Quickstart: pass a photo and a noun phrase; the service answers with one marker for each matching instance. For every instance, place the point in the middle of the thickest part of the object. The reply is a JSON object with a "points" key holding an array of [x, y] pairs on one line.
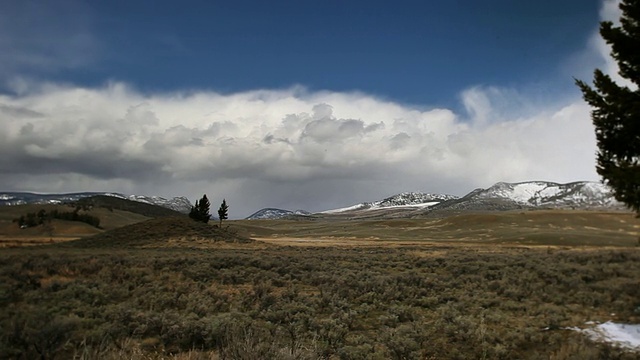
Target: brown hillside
{"points": [[136, 207], [58, 230], [162, 232]]}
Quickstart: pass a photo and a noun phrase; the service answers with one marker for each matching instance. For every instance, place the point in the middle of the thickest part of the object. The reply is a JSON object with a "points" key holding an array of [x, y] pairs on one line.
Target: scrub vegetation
{"points": [[212, 294]]}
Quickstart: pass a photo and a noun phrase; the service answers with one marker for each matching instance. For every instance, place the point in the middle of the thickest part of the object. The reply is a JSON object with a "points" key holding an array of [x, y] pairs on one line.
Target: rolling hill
{"points": [[113, 213], [162, 232]]}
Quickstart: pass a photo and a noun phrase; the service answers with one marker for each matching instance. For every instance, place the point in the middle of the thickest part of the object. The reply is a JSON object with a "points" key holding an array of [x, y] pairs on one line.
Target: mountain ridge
{"points": [[274, 213], [551, 194], [404, 199], [501, 196], [179, 203]]}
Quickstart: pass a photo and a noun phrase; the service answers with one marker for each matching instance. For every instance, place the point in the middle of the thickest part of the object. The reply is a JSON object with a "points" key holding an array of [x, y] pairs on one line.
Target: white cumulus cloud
{"points": [[291, 148]]}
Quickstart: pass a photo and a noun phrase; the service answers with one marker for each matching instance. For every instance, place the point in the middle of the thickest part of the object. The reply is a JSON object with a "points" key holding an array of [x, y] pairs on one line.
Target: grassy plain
{"points": [[475, 286], [536, 228]]}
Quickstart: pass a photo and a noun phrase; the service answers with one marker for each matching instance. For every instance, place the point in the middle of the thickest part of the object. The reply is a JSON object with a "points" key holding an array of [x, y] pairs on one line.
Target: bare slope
{"points": [[57, 230], [161, 232], [113, 213], [137, 207]]}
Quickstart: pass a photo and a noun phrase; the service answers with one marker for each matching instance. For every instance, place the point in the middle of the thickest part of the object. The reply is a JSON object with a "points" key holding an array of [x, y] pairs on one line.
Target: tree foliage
{"points": [[42, 217], [223, 211], [616, 108], [200, 212]]}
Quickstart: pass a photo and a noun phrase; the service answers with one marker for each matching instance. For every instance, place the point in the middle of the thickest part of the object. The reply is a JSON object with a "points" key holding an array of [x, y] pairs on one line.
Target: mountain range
{"points": [[180, 203], [499, 197], [581, 194], [402, 200], [273, 213]]}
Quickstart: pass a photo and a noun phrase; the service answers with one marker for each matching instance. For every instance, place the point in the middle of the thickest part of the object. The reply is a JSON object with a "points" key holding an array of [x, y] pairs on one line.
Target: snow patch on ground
{"points": [[623, 335]]}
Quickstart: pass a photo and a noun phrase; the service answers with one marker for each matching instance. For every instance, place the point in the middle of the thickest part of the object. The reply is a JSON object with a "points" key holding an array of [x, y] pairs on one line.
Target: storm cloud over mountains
{"points": [[291, 147], [279, 147]]}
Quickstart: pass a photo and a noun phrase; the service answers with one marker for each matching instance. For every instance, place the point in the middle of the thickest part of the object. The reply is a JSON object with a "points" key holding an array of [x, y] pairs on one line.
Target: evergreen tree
{"points": [[204, 209], [200, 212], [223, 211], [616, 109], [194, 211]]}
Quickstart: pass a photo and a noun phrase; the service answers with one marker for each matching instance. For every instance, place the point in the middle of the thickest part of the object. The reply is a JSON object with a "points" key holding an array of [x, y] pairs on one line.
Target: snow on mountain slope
{"points": [[581, 194], [501, 196], [180, 203], [402, 200], [273, 213], [22, 198], [413, 198], [362, 206]]}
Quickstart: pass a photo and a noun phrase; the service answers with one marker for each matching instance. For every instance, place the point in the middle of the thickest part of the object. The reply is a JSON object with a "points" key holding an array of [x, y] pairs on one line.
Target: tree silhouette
{"points": [[616, 109], [200, 212], [223, 211]]}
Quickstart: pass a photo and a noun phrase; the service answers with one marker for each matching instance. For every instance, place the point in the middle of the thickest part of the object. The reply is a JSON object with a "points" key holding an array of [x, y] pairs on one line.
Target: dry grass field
{"points": [[59, 230], [543, 228], [477, 286]]}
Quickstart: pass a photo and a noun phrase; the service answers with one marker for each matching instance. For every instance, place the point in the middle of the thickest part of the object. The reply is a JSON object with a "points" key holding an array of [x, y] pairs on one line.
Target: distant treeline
{"points": [[39, 218]]}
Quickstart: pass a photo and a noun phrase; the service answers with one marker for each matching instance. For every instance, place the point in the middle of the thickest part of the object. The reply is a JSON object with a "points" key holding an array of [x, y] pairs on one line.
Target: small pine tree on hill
{"points": [[223, 211], [200, 212]]}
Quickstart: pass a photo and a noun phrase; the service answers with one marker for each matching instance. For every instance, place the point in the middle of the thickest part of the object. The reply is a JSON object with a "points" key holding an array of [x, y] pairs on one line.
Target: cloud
{"points": [[291, 148], [610, 11], [597, 53]]}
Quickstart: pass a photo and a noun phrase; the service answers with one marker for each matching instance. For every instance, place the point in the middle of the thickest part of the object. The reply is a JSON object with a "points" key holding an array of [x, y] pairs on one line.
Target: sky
{"points": [[306, 104]]}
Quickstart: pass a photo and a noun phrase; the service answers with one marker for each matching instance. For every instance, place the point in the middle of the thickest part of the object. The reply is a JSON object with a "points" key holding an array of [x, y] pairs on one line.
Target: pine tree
{"points": [[200, 212], [616, 109], [203, 211], [223, 211], [194, 211]]}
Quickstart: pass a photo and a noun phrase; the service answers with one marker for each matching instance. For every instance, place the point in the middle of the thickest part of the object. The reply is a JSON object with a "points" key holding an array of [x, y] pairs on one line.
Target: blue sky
{"points": [[295, 104], [420, 52]]}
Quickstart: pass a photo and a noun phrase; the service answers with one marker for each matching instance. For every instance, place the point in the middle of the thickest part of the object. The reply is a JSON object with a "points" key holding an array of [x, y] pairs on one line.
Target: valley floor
{"points": [[530, 228], [329, 289]]}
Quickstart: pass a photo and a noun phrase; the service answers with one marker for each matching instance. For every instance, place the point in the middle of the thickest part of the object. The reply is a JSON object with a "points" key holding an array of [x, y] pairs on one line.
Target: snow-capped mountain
{"points": [[179, 203], [582, 194], [402, 200], [499, 197], [272, 213]]}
